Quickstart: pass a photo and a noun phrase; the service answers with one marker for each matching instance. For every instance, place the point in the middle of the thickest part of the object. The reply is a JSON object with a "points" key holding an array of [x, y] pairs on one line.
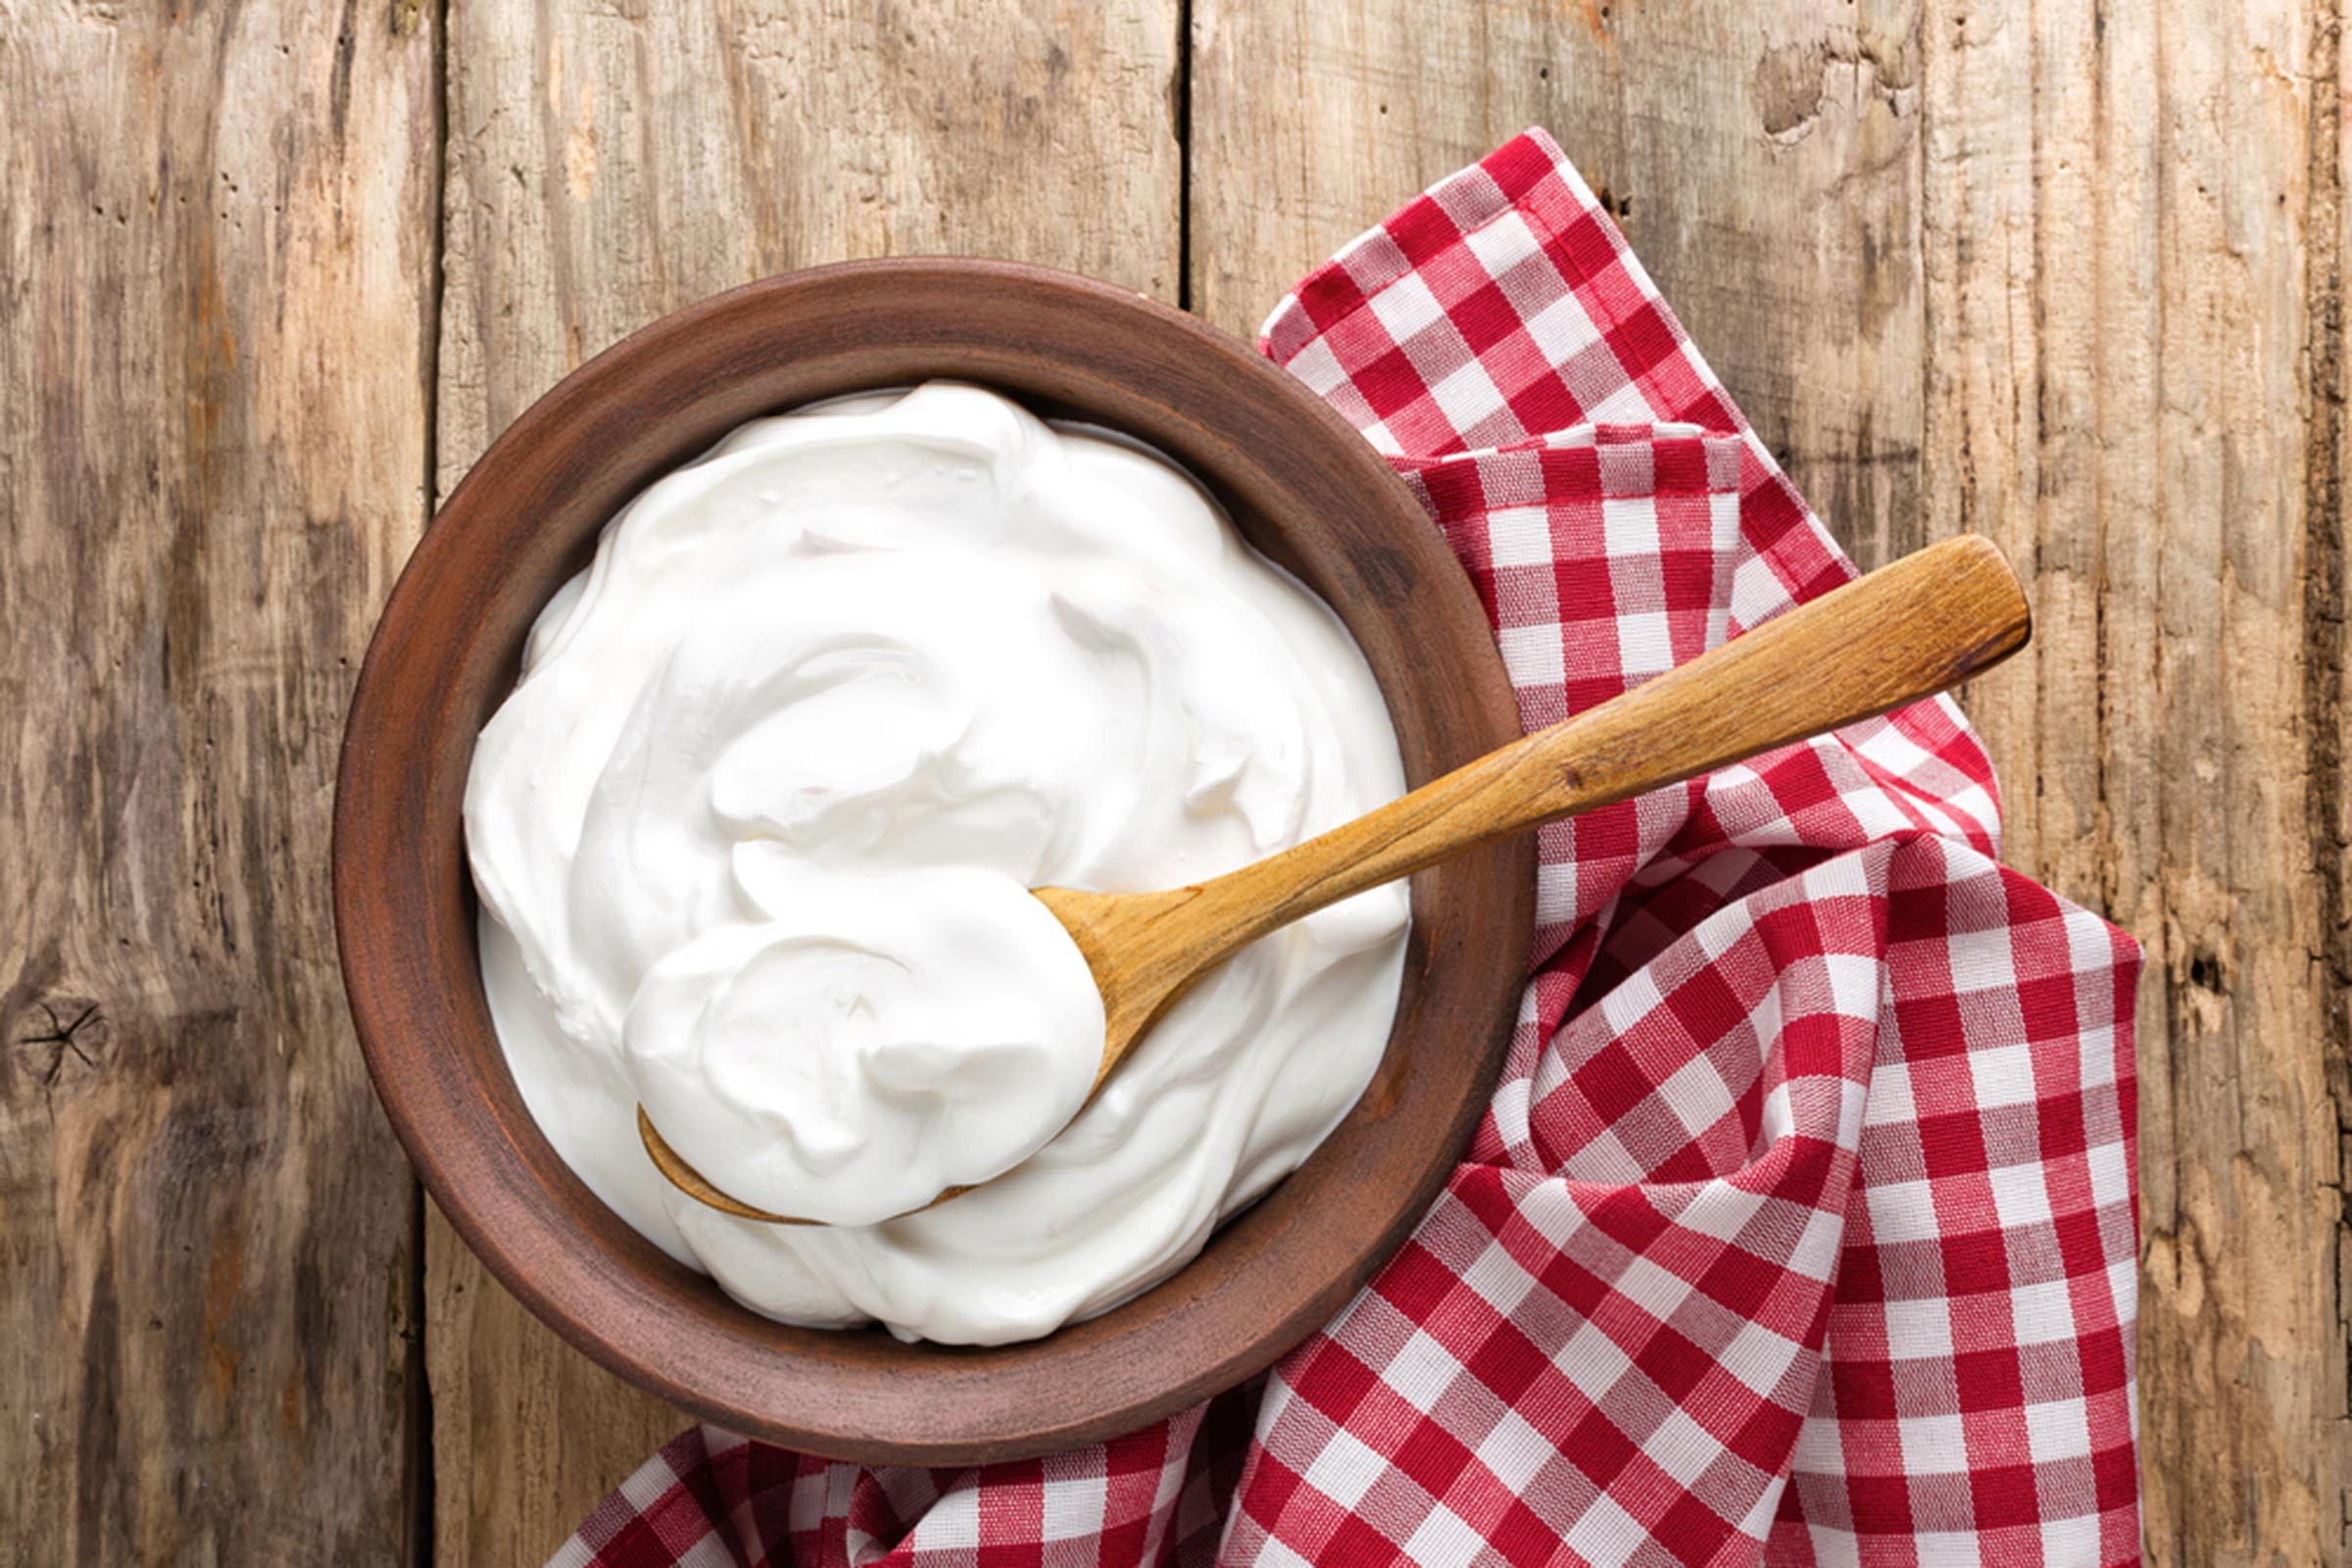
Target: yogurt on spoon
{"points": [[754, 837]]}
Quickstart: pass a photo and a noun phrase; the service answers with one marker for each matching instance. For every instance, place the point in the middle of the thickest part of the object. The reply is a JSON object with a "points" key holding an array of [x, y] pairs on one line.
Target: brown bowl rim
{"points": [[861, 1395]]}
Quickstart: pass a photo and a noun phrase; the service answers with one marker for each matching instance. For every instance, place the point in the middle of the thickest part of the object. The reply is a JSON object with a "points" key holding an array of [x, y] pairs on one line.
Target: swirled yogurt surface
{"points": [[754, 832]]}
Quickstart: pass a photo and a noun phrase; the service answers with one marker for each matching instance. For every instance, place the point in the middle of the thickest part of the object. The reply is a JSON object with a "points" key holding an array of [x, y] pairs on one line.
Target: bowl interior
{"points": [[1302, 486]]}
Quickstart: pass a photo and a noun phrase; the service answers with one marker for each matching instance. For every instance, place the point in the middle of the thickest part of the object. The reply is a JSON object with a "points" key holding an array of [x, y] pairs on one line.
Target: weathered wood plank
{"points": [[528, 1434], [2136, 383], [215, 304], [2105, 242], [609, 163], [1764, 159]]}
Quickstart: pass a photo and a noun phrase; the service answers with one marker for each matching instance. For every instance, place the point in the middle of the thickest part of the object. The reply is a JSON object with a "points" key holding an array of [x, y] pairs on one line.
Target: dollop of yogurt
{"points": [[755, 833]]}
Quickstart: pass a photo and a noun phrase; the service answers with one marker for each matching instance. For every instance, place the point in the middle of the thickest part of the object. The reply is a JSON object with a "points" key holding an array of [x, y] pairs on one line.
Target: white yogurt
{"points": [[754, 832]]}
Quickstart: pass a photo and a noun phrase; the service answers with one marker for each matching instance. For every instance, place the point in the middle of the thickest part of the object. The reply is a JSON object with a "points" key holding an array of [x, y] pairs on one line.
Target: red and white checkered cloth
{"points": [[1802, 1227]]}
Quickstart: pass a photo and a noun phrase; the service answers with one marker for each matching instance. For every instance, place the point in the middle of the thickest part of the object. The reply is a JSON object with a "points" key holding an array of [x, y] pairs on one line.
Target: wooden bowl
{"points": [[1301, 485]]}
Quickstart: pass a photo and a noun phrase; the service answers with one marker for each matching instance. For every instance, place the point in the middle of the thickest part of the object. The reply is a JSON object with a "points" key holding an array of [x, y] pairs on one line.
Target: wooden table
{"points": [[273, 274]]}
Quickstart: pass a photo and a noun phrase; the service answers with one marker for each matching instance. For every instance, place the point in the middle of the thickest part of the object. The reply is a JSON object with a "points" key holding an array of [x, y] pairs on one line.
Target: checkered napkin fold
{"points": [[1801, 1228]]}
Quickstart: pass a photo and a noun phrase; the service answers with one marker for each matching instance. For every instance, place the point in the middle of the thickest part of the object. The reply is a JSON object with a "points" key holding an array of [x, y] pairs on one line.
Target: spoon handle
{"points": [[1908, 630]]}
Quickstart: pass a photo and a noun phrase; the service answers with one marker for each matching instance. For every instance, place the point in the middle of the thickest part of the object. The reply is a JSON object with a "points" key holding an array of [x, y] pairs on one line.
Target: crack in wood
{"points": [[65, 1037], [2323, 649]]}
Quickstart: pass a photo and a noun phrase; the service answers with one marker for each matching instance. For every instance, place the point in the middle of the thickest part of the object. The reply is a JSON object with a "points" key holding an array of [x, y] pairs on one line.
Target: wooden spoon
{"points": [[1906, 632]]}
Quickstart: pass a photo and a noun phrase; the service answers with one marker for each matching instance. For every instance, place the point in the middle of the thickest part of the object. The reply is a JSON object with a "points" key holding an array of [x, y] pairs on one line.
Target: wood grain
{"points": [[2068, 272], [1764, 158], [528, 1434], [608, 164], [214, 301], [2133, 305]]}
